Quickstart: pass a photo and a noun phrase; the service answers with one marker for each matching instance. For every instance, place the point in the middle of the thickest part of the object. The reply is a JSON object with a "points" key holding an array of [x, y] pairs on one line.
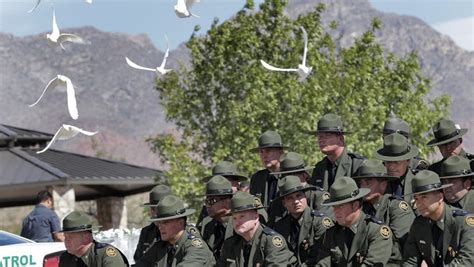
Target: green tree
{"points": [[225, 99]]}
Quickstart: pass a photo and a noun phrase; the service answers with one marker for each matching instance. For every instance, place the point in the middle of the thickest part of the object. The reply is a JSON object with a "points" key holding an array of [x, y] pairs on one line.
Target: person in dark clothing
{"points": [[42, 224]]}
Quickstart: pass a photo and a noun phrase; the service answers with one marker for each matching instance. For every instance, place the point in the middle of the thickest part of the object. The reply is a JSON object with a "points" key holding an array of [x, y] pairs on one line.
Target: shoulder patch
{"points": [[326, 196], [277, 241], [385, 231], [257, 203], [327, 222], [196, 242], [192, 230], [469, 220], [459, 212], [403, 205], [422, 165], [111, 252]]}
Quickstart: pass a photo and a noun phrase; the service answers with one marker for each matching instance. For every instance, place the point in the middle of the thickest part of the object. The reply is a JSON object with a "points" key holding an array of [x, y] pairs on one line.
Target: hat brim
{"points": [[255, 150], [306, 188], [315, 132], [412, 153], [293, 171], [149, 205], [233, 177], [430, 190], [249, 208], [386, 177], [457, 176], [362, 193], [92, 228], [186, 213], [436, 142]]}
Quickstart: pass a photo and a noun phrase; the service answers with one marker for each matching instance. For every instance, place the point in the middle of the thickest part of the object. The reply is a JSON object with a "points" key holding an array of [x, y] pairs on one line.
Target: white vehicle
{"points": [[17, 251]]}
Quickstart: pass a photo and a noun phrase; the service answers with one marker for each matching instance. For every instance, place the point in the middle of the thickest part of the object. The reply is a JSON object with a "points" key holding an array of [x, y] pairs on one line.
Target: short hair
{"points": [[43, 195]]}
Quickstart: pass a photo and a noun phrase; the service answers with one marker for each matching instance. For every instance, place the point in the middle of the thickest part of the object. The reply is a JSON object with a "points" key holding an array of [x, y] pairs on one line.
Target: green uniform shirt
{"points": [[466, 203], [398, 215], [457, 240], [98, 255], [148, 236], [268, 248], [259, 187], [436, 167], [346, 165], [190, 250], [371, 244], [315, 199], [312, 226], [210, 232]]}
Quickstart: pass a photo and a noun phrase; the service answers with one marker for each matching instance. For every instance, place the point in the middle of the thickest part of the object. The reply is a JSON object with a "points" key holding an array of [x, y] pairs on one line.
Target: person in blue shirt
{"points": [[42, 224]]}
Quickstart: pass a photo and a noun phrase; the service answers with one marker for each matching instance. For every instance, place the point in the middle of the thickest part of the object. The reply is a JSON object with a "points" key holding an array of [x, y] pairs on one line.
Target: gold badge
{"points": [[403, 205], [385, 231], [470, 220], [327, 222], [326, 196], [277, 241], [452, 252], [111, 252], [196, 242], [258, 203]]}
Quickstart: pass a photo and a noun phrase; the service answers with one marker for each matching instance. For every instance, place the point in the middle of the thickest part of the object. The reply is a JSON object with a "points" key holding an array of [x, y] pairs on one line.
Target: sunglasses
{"points": [[212, 201]]}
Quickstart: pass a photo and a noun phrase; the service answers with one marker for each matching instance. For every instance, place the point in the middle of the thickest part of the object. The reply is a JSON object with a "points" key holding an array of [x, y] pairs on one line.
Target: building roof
{"points": [[23, 173], [15, 136]]}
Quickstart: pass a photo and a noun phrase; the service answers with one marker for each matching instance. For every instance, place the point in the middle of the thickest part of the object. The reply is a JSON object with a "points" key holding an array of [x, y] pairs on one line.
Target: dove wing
{"points": [[89, 1], [305, 37], [135, 66], [162, 66], [77, 130], [270, 67], [69, 37], [50, 143], [37, 3], [55, 33], [71, 98], [53, 83], [190, 3]]}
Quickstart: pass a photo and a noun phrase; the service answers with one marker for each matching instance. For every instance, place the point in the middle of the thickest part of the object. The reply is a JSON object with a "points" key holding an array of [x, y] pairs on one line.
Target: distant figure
{"points": [[42, 224], [244, 186]]}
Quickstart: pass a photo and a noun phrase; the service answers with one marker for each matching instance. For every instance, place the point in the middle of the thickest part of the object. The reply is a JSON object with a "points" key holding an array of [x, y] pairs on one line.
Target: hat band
{"points": [[338, 198], [399, 153], [387, 132], [426, 187], [270, 145], [294, 189], [454, 173], [224, 173], [336, 129], [76, 228], [245, 207], [446, 137], [299, 167], [218, 191], [169, 214], [374, 174]]}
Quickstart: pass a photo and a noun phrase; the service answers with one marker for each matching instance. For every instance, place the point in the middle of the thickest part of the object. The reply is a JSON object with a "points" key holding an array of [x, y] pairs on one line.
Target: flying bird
{"points": [[71, 94], [159, 70], [89, 1], [302, 70], [64, 133], [183, 7], [55, 38], [36, 5]]}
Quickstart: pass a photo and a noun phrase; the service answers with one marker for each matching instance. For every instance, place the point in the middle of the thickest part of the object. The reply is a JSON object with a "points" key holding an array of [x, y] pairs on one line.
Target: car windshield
{"points": [[9, 239]]}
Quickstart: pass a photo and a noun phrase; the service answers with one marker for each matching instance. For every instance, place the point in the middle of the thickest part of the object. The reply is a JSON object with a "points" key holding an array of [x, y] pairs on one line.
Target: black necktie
{"points": [[348, 237], [295, 232], [247, 248], [170, 257], [218, 239], [331, 173], [272, 184], [437, 234]]}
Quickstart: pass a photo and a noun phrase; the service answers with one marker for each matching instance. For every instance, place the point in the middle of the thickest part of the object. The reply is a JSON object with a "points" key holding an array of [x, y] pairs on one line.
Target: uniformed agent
{"points": [[391, 209], [218, 226], [253, 244], [356, 239], [338, 161], [149, 234], [448, 138], [178, 245], [82, 249], [291, 163], [440, 235], [302, 227], [397, 125], [396, 154], [456, 170], [262, 183], [228, 170]]}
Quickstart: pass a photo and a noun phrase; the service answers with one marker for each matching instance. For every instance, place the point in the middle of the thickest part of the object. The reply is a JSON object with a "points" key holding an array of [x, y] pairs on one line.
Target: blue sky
{"points": [[156, 17]]}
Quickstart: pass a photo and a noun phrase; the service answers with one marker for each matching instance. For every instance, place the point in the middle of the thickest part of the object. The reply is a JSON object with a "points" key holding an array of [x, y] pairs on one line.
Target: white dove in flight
{"points": [[89, 1], [302, 70], [71, 94], [64, 133], [56, 38], [183, 7], [159, 70]]}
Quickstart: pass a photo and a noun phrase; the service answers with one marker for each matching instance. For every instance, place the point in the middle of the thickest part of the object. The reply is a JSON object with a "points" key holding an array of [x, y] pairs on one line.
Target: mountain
{"points": [[122, 104]]}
